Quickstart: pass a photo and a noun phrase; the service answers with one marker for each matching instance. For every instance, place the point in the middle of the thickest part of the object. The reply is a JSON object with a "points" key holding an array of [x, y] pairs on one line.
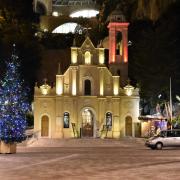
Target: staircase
{"points": [[85, 142]]}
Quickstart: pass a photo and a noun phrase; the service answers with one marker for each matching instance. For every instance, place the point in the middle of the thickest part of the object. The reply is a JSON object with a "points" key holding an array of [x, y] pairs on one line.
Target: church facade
{"points": [[90, 99]]}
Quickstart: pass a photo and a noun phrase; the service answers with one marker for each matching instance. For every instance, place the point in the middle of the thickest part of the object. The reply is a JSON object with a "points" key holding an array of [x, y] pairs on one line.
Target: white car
{"points": [[166, 138]]}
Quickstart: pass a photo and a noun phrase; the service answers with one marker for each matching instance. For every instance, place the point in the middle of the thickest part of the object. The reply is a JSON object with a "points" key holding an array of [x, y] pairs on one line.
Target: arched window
{"points": [[109, 119], [87, 87], [87, 57], [66, 120]]}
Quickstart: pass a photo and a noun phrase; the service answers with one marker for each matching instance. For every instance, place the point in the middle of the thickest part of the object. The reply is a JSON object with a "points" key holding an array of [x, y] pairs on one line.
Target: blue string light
{"points": [[13, 104]]}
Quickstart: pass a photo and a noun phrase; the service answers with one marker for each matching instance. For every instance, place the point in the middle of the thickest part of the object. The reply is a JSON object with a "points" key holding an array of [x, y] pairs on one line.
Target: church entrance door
{"points": [[128, 126], [87, 123], [45, 126]]}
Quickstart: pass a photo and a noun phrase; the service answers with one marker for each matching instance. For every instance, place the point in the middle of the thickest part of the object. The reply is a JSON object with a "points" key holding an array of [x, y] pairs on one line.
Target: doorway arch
{"points": [[88, 123], [128, 126], [45, 126]]}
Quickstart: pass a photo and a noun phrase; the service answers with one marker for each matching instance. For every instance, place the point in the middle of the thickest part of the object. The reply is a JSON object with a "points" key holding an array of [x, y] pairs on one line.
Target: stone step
{"points": [[84, 142]]}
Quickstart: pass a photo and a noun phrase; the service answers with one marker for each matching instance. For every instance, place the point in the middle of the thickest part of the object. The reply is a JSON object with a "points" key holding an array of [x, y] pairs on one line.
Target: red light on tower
{"points": [[115, 27], [125, 55], [118, 56]]}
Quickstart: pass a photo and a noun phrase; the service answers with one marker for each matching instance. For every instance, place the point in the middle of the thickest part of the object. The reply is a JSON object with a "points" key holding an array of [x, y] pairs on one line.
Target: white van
{"points": [[167, 138]]}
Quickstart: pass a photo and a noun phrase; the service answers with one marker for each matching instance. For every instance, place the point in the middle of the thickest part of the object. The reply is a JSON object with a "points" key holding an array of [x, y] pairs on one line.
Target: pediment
{"points": [[87, 45]]}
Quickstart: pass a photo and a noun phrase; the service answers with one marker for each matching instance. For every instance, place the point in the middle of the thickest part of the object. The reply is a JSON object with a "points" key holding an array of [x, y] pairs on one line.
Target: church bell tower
{"points": [[118, 46]]}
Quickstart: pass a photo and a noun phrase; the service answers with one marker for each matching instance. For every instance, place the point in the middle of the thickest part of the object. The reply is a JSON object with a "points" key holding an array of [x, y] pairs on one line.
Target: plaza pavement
{"points": [[90, 159]]}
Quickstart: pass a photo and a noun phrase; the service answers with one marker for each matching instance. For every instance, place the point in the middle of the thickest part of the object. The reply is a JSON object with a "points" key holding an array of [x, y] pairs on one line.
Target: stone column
{"points": [[59, 127], [74, 81], [116, 85], [116, 129], [125, 45], [101, 88], [59, 84], [101, 55], [73, 55], [112, 45]]}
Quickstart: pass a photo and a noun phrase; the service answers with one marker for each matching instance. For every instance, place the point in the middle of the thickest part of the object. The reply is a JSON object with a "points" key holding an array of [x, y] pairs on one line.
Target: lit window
{"points": [[87, 57], [66, 120], [85, 13], [109, 119]]}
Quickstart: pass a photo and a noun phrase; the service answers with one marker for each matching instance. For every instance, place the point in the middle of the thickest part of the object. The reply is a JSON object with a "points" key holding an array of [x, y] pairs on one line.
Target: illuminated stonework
{"points": [[118, 45], [74, 81], [87, 56], [116, 85], [73, 55], [45, 89], [129, 90], [59, 84], [86, 100], [101, 55]]}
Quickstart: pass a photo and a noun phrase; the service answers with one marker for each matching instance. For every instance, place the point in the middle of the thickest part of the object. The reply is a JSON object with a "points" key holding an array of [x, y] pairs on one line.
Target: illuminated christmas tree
{"points": [[13, 103]]}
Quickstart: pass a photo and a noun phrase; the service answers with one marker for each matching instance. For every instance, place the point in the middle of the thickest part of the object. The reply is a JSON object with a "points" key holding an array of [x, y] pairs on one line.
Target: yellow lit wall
{"points": [[101, 74], [68, 96], [73, 55], [116, 132], [116, 85], [101, 55], [59, 84], [45, 89], [87, 57], [74, 88]]}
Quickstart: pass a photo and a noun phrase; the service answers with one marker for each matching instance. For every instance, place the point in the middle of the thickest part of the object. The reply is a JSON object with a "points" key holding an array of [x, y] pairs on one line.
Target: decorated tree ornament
{"points": [[14, 103]]}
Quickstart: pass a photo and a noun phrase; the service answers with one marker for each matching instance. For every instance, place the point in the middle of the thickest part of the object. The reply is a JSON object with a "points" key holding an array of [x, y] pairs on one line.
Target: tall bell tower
{"points": [[118, 46]]}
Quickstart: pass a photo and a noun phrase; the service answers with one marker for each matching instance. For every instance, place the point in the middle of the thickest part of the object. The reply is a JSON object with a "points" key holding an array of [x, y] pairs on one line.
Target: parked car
{"points": [[166, 138]]}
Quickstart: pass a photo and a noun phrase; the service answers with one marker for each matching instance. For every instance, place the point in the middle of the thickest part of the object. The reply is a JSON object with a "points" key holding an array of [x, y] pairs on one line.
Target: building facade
{"points": [[90, 99]]}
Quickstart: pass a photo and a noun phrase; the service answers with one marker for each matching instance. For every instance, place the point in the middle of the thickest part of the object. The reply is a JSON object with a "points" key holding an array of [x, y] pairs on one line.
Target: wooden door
{"points": [[128, 126], [87, 123], [45, 126], [87, 130]]}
